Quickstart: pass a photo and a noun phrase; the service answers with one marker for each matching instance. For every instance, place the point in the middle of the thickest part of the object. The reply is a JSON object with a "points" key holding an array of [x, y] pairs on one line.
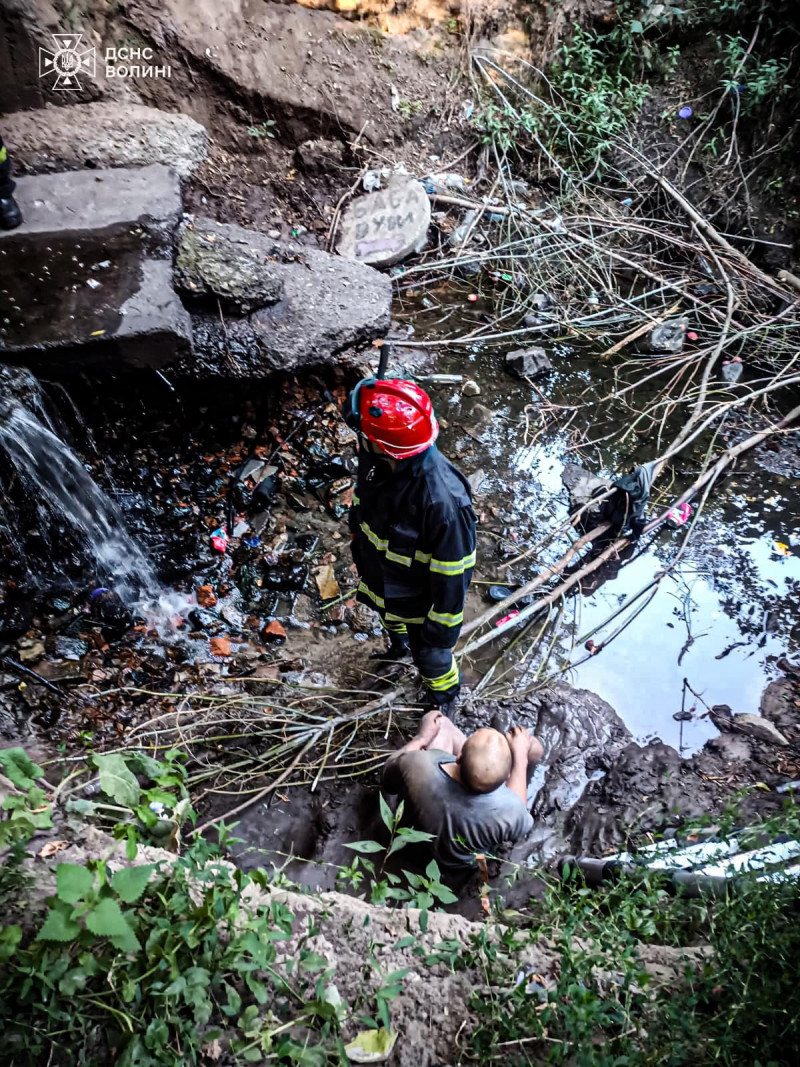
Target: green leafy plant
{"points": [[263, 129], [148, 966]]}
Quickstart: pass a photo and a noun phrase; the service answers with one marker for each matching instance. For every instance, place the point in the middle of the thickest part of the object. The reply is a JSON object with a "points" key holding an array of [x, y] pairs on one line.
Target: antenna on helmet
{"points": [[383, 362]]}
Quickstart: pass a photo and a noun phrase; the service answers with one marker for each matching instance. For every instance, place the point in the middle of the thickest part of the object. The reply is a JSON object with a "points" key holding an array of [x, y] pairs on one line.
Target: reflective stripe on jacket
{"points": [[414, 542]]}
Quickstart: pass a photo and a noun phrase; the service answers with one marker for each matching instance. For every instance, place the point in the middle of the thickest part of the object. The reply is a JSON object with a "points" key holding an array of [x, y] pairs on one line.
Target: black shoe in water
{"points": [[10, 214]]}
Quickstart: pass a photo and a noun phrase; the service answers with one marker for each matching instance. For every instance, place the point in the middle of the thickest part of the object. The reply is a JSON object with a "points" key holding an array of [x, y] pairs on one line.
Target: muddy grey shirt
{"points": [[462, 822]]}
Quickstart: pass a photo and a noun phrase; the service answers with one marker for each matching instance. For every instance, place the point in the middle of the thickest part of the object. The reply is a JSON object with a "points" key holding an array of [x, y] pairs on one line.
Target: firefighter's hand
{"points": [[429, 725]]}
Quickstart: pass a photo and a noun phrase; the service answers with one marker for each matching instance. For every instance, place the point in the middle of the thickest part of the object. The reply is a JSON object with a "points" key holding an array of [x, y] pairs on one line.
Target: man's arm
{"points": [[428, 728], [519, 740]]}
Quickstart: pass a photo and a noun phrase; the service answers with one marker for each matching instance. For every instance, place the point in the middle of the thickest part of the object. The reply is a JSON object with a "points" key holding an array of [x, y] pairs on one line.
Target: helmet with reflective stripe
{"points": [[395, 414]]}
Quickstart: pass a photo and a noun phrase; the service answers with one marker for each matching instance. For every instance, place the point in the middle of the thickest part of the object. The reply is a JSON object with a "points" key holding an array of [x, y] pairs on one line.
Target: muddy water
{"points": [[719, 620]]}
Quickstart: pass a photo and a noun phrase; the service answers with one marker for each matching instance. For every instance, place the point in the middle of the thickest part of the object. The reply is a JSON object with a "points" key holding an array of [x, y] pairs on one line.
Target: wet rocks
{"points": [[205, 596], [105, 134], [327, 304], [386, 226], [528, 362], [229, 262], [86, 277]]}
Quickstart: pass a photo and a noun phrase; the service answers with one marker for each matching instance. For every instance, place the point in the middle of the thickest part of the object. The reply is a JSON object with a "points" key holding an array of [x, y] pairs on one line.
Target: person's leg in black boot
{"points": [[10, 214], [439, 672]]}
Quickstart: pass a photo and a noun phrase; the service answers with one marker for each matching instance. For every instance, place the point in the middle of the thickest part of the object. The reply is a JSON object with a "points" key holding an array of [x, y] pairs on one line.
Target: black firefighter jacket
{"points": [[414, 542]]}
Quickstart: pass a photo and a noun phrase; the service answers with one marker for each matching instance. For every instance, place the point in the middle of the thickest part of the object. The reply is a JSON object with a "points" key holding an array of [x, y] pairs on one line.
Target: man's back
{"points": [[461, 821]]}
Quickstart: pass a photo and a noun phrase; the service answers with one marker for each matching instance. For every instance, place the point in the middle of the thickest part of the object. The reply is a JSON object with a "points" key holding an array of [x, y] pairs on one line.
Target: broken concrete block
{"points": [[528, 362], [326, 304], [386, 226], [73, 201], [87, 278], [106, 134], [227, 261]]}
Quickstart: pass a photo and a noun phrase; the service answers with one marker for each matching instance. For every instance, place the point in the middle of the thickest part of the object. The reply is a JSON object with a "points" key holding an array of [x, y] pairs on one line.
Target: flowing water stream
{"points": [[64, 495]]}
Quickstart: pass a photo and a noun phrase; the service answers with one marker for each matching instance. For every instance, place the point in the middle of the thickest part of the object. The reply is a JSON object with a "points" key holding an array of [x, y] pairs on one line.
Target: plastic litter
{"points": [[440, 183], [473, 298], [732, 369], [626, 202], [507, 618], [219, 539], [685, 113], [679, 516], [371, 181], [692, 336]]}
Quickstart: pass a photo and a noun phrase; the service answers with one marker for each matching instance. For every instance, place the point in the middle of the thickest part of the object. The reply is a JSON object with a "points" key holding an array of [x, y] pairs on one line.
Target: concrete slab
{"points": [[88, 278], [107, 133], [96, 199]]}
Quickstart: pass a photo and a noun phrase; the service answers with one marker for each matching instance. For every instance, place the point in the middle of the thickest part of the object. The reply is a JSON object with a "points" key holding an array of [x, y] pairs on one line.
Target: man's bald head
{"points": [[485, 760]]}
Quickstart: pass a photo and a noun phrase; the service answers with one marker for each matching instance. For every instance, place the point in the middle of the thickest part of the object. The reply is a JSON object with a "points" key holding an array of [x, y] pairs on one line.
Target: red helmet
{"points": [[396, 414]]}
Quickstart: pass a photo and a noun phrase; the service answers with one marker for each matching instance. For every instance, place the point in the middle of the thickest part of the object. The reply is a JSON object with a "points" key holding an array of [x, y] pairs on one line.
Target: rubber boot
{"points": [[398, 649], [10, 214]]}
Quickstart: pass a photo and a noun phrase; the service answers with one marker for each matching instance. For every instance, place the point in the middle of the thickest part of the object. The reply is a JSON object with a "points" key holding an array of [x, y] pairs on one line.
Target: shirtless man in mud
{"points": [[469, 792]]}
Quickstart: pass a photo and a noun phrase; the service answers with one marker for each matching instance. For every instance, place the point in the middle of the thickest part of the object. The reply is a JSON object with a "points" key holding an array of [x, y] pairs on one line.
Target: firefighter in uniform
{"points": [[412, 530], [10, 214]]}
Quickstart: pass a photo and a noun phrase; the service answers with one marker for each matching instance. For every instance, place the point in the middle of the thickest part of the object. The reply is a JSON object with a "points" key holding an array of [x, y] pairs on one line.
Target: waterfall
{"points": [[64, 494]]}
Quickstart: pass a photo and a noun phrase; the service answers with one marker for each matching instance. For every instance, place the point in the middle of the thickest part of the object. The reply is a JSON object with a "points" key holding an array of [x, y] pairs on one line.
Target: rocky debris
{"points": [[528, 362], [86, 277], [206, 597], [759, 728], [384, 227], [668, 337], [327, 304], [104, 134], [470, 388], [227, 261], [320, 156]]}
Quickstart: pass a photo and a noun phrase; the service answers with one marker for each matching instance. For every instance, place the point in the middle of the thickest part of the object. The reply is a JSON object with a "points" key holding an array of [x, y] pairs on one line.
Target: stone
{"points": [[229, 262], [320, 156], [72, 648], [328, 304], [105, 134], [364, 620], [274, 632], [528, 362], [313, 69], [205, 596], [385, 227], [88, 278], [470, 388], [30, 651], [220, 646], [668, 336], [759, 728]]}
